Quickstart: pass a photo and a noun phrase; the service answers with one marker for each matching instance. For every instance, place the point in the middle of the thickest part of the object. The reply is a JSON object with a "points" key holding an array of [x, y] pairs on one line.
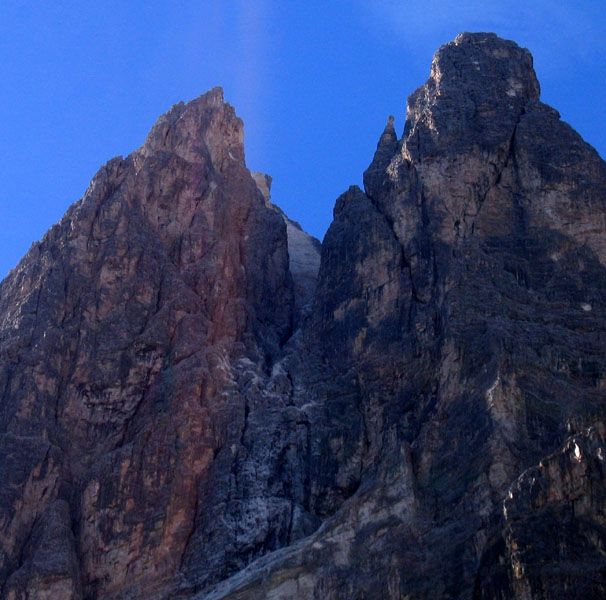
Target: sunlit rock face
{"points": [[128, 336], [194, 404]]}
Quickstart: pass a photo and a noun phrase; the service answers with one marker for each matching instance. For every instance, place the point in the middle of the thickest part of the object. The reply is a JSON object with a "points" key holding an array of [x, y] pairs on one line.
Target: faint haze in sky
{"points": [[569, 27], [313, 81], [418, 18]]}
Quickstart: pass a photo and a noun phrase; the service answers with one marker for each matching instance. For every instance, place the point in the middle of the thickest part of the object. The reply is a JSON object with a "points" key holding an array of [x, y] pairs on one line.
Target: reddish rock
{"points": [[185, 413], [119, 334]]}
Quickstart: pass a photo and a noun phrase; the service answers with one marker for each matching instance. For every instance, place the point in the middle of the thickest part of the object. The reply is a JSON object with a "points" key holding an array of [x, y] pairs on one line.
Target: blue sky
{"points": [[314, 82]]}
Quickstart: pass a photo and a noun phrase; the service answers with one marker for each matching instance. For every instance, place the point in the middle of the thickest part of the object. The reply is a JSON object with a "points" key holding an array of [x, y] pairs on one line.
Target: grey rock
{"points": [[303, 251], [49, 568], [192, 406], [460, 300]]}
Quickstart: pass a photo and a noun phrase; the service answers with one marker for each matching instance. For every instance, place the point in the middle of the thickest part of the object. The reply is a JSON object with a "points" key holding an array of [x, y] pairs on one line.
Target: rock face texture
{"points": [[303, 251], [120, 337], [194, 405]]}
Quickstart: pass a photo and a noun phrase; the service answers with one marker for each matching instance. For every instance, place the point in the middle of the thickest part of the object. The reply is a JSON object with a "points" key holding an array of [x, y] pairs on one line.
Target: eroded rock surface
{"points": [[194, 406], [130, 340]]}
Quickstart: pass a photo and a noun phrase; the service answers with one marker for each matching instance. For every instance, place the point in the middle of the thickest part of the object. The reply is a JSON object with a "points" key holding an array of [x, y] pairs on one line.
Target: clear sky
{"points": [[314, 81]]}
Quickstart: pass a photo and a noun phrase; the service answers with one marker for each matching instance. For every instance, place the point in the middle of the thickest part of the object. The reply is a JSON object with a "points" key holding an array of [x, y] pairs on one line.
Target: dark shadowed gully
{"points": [[196, 405]]}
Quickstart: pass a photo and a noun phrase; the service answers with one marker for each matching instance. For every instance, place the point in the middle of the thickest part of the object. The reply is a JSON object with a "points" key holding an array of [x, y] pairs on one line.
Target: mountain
{"points": [[200, 402]]}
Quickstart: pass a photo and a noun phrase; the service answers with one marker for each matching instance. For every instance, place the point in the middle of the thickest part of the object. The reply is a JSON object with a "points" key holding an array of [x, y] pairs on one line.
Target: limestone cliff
{"points": [[187, 413]]}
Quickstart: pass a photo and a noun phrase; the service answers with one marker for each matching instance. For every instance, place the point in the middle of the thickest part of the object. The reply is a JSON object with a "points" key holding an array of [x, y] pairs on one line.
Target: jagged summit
{"points": [[478, 87], [190, 408], [131, 308], [204, 128]]}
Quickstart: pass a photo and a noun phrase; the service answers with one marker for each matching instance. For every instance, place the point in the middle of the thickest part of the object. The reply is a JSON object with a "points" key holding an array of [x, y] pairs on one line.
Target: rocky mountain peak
{"points": [[194, 404], [204, 128], [478, 87], [132, 308]]}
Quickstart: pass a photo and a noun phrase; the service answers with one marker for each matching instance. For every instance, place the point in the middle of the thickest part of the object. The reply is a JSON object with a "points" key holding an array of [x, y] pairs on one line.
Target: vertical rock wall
{"points": [[186, 413], [119, 338]]}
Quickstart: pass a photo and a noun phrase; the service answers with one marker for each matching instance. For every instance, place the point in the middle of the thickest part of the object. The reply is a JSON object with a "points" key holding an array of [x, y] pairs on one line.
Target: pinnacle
{"points": [[478, 87], [389, 133], [474, 59]]}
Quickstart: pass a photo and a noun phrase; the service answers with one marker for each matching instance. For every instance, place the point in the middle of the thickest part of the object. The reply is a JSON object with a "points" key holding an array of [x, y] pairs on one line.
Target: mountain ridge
{"points": [[186, 413]]}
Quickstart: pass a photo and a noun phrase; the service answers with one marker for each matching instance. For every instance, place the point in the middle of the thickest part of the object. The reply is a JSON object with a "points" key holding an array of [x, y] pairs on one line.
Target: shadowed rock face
{"points": [[186, 413], [303, 252]]}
